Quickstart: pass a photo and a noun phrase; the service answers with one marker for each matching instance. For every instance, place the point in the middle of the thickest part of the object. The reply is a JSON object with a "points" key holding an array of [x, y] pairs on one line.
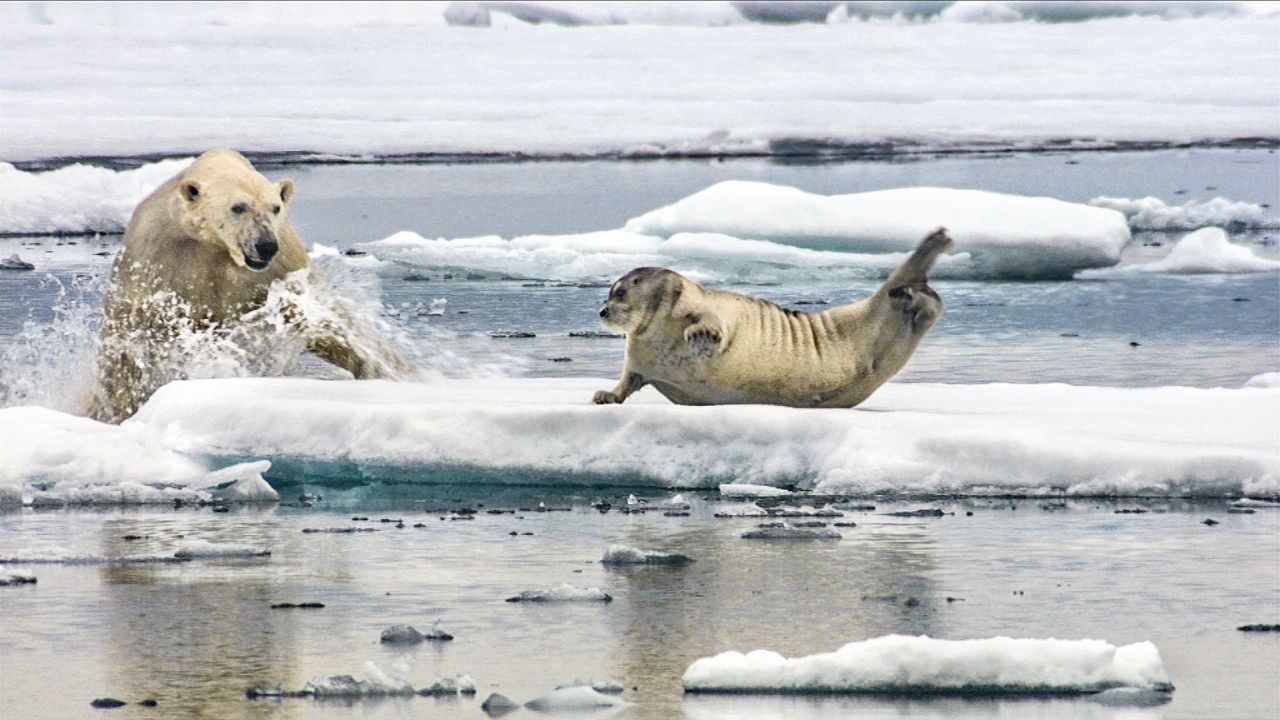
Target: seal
{"points": [[698, 346]]}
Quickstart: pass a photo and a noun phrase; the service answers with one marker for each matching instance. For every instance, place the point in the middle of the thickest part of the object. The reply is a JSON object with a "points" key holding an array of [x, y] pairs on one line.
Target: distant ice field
{"points": [[104, 87]]}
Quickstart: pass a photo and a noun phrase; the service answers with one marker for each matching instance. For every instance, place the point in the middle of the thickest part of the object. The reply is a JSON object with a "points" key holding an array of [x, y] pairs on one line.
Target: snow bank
{"points": [[55, 458], [917, 438], [876, 88], [1207, 251], [77, 198], [1004, 235], [899, 664], [1150, 213], [1264, 380]]}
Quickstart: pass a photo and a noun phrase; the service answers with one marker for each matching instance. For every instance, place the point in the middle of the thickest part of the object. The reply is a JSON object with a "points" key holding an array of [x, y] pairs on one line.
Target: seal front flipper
{"points": [[629, 383], [705, 333]]}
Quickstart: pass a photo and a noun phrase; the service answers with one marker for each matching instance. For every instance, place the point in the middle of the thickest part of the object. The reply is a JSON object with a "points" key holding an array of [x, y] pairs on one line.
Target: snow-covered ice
{"points": [[1264, 380], [1203, 252], [1004, 235], [1150, 213], [881, 86], [77, 198], [914, 665], [786, 531], [920, 438], [749, 490], [377, 682], [55, 458], [738, 231]]}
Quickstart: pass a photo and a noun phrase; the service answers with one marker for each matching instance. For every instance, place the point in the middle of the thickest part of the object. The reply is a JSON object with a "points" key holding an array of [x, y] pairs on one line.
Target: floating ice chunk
{"points": [[751, 490], [14, 576], [13, 262], [61, 556], [580, 697], [1264, 380], [401, 635], [786, 531], [497, 705], [438, 632], [77, 198], [460, 684], [915, 665], [1151, 213], [627, 555], [376, 683], [437, 307], [242, 483], [1202, 252], [1006, 236], [563, 593], [197, 548]]}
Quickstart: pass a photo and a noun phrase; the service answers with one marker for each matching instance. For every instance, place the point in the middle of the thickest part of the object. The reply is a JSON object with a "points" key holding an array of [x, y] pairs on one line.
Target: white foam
{"points": [[1005, 236], [908, 438], [889, 84], [77, 198], [914, 665], [1203, 252], [1150, 213]]}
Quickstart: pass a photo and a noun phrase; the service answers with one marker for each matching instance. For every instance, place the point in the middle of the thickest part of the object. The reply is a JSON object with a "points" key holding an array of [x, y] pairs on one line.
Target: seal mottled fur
{"points": [[698, 346]]}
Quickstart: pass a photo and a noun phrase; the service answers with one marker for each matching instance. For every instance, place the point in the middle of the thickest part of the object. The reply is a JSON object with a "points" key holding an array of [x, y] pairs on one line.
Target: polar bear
{"points": [[199, 256]]}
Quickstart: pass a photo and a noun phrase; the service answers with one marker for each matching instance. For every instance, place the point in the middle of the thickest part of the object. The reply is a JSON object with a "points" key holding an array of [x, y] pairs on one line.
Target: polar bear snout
{"points": [[259, 255]]}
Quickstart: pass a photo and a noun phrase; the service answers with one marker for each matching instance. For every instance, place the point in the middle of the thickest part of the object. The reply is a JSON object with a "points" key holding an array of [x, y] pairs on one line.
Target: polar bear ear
{"points": [[190, 191], [286, 190]]}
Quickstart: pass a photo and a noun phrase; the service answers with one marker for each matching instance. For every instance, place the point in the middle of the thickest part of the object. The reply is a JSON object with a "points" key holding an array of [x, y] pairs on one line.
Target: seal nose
{"points": [[604, 312], [266, 248]]}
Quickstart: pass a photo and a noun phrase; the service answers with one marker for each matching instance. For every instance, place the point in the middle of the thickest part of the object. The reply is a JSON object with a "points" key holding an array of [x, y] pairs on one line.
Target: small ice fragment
{"points": [[563, 593], [497, 705], [13, 262], [437, 307], [626, 555], [401, 635], [192, 549], [786, 531], [463, 684], [437, 632], [751, 490], [580, 697]]}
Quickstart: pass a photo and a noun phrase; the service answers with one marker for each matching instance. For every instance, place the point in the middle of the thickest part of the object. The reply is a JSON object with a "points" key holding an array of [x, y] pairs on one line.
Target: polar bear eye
{"points": [[239, 208], [275, 209]]}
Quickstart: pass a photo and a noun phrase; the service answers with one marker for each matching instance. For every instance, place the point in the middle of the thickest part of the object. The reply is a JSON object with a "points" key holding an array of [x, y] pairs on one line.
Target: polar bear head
{"points": [[225, 202]]}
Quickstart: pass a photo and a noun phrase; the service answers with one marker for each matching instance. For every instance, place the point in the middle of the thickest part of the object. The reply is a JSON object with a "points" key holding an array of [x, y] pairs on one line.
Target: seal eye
{"points": [[239, 208], [621, 294], [275, 209]]}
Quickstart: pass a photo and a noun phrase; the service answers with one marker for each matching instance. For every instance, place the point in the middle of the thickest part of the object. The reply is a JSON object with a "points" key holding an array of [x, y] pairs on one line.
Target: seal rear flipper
{"points": [[915, 269]]}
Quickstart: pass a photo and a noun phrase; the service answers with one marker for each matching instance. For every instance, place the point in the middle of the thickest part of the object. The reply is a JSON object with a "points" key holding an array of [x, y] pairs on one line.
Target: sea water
{"points": [[196, 635]]}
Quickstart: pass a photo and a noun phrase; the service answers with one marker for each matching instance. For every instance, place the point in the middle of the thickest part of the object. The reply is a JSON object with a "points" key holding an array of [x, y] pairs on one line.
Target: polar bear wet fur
{"points": [[199, 253]]}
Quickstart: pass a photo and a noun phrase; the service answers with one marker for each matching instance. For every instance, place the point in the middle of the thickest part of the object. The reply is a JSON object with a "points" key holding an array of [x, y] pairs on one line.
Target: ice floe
{"points": [[749, 490], [739, 231], [56, 458], [908, 438], [1003, 235], [1100, 83], [77, 198], [1264, 380], [1152, 213], [1203, 252], [898, 664]]}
